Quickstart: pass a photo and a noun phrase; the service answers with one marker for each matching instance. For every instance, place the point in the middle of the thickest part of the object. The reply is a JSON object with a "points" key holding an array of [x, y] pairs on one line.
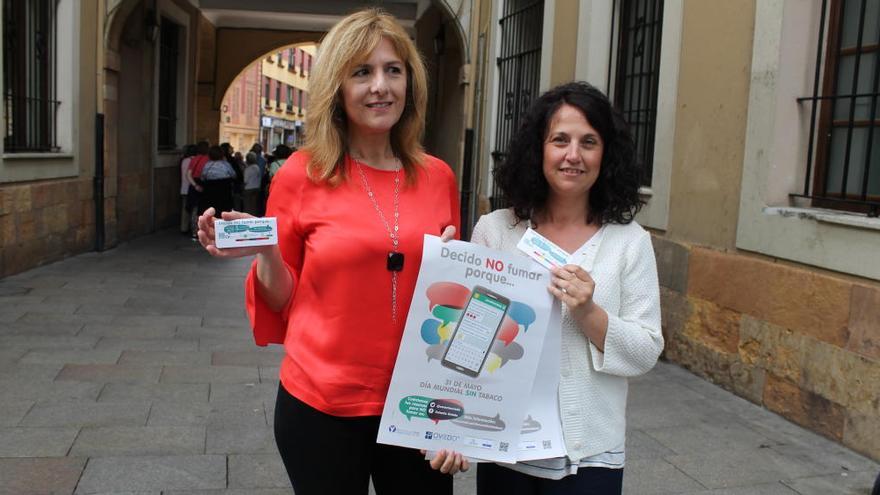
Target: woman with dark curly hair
{"points": [[571, 175]]}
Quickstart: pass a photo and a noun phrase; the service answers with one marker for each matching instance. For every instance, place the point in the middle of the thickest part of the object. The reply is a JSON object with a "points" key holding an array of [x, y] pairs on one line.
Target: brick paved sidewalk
{"points": [[133, 371]]}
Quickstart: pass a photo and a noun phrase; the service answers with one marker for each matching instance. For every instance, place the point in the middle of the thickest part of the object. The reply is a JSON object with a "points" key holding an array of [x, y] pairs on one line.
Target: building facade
{"points": [[285, 95], [240, 111], [758, 125]]}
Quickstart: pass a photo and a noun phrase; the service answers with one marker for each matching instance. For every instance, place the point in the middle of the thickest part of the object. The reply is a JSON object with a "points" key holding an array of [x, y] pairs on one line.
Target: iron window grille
{"points": [[29, 55], [278, 95], [638, 65], [289, 99], [169, 52], [266, 92], [519, 74], [843, 158], [291, 64]]}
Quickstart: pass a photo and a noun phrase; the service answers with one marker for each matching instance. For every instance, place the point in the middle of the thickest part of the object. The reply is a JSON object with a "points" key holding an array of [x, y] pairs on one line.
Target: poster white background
{"points": [[431, 406]]}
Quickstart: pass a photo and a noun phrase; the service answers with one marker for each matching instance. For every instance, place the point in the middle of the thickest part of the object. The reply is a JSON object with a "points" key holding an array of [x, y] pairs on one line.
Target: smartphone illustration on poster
{"points": [[475, 332]]}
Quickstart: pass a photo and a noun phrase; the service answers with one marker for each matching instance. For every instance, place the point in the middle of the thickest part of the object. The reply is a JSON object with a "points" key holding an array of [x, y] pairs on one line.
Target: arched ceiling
{"points": [[300, 15]]}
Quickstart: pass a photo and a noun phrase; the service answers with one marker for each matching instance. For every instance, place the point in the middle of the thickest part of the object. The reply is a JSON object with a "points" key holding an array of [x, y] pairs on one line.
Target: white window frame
{"points": [[774, 165], [18, 167], [597, 53]]}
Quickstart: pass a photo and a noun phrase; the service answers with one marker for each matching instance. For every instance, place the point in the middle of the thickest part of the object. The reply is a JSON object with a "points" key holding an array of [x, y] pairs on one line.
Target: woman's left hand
{"points": [[572, 285], [448, 233], [449, 462]]}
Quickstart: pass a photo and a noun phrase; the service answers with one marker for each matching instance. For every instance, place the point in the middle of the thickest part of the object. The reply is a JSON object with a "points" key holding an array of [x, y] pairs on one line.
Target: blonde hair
{"points": [[348, 43]]}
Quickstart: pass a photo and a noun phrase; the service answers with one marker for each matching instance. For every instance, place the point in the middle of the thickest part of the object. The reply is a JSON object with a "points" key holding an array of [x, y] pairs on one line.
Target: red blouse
{"points": [[339, 340]]}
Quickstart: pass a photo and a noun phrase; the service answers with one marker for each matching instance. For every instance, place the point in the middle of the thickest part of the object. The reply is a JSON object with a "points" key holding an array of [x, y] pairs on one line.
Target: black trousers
{"points": [[494, 479], [330, 455]]}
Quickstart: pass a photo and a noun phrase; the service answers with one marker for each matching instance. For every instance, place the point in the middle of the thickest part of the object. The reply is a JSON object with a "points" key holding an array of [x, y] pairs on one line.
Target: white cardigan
{"points": [[593, 384]]}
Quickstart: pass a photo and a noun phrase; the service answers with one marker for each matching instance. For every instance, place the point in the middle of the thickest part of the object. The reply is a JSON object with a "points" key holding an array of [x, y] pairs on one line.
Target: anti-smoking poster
{"points": [[469, 354]]}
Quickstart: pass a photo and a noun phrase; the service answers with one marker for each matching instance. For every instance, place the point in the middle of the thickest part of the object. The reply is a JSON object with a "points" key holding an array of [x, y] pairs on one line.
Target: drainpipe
{"points": [[99, 182]]}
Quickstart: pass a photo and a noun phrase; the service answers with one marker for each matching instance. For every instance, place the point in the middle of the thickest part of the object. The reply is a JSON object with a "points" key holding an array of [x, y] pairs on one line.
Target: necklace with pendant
{"points": [[394, 260]]}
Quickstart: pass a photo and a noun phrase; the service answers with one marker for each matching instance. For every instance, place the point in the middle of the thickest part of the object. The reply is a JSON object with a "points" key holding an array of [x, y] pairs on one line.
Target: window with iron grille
{"points": [[519, 73], [278, 95], [289, 98], [638, 64], [843, 164], [169, 53], [291, 64], [267, 90], [29, 57]]}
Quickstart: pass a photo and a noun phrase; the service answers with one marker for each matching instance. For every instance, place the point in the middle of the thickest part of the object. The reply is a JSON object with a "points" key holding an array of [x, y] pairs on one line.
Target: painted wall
{"points": [[713, 92]]}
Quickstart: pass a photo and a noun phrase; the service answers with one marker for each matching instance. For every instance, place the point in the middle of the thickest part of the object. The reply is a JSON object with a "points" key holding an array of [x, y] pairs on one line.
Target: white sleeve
{"points": [[634, 339]]}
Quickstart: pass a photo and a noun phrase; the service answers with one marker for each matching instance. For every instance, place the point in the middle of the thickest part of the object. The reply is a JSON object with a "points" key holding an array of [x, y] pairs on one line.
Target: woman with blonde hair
{"points": [[352, 209]]}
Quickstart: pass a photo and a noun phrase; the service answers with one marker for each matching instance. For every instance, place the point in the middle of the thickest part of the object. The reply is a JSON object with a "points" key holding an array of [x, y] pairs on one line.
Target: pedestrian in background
{"points": [[352, 207], [571, 175], [279, 156], [185, 211], [194, 177], [218, 178], [252, 182]]}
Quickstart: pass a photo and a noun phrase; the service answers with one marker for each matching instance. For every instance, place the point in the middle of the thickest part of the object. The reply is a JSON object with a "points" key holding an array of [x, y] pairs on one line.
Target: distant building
{"points": [[285, 95], [240, 111]]}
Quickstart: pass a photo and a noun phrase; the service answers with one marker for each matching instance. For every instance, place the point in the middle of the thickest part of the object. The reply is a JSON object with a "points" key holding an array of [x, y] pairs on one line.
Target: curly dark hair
{"points": [[614, 198]]}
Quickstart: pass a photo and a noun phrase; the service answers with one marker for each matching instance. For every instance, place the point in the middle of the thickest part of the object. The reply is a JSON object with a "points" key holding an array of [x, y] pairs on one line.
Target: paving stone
{"points": [[668, 413], [86, 413], [47, 342], [235, 491], [649, 477], [64, 356], [171, 392], [109, 474], [116, 309], [225, 345], [257, 471], [226, 321], [844, 483], [230, 333], [109, 373], [11, 315], [39, 319], [724, 469], [709, 437], [210, 374], [23, 390], [10, 356], [238, 392], [270, 374], [265, 357], [11, 412], [240, 440], [762, 489], [645, 394], [134, 344], [225, 415], [39, 308], [29, 372], [157, 320], [27, 476], [165, 358], [40, 329], [86, 298], [116, 330], [640, 445], [139, 440], [36, 442]]}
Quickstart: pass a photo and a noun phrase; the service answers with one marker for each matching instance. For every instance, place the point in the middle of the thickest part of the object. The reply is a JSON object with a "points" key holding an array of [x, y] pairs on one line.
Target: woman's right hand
{"points": [[208, 240], [449, 462]]}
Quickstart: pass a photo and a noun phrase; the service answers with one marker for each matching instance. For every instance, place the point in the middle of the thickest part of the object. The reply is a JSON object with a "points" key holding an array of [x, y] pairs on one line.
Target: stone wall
{"points": [[43, 222], [799, 341]]}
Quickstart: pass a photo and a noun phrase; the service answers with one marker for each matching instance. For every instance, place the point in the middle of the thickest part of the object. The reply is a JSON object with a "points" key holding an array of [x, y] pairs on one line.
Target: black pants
{"points": [[494, 479], [329, 455]]}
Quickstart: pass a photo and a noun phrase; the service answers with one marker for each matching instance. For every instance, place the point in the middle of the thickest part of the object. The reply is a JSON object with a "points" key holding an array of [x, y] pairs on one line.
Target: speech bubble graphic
{"points": [[444, 409], [435, 351], [509, 331], [493, 362], [480, 422], [506, 353], [447, 294], [445, 331], [414, 406], [530, 425], [429, 331], [446, 313], [522, 314]]}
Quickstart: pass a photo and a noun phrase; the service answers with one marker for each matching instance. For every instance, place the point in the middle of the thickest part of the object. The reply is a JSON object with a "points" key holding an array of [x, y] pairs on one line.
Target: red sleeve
{"points": [[270, 327]]}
